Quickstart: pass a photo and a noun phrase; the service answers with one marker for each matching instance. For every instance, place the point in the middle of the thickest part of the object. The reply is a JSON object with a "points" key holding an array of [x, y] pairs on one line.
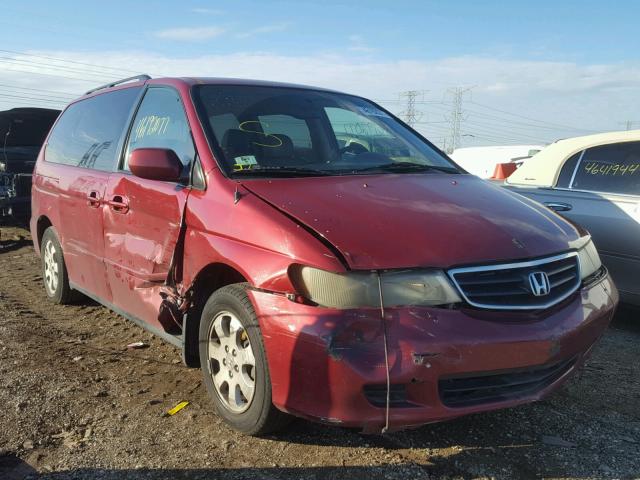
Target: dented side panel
{"points": [[248, 236], [139, 243]]}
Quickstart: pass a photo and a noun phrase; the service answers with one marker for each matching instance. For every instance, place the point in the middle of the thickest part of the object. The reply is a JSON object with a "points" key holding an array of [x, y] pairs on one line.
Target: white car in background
{"points": [[482, 161], [594, 181]]}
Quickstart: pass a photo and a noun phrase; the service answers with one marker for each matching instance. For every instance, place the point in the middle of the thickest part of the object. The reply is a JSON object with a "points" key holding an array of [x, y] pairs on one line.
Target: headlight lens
{"points": [[360, 289], [589, 260]]}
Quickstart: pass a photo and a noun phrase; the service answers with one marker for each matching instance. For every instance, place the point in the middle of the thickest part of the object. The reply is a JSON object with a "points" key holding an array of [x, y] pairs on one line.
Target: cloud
{"points": [[206, 11], [358, 45], [583, 96], [275, 27], [190, 34]]}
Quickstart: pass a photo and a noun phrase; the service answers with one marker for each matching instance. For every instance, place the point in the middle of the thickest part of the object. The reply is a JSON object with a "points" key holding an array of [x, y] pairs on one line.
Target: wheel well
{"points": [[42, 225], [208, 280]]}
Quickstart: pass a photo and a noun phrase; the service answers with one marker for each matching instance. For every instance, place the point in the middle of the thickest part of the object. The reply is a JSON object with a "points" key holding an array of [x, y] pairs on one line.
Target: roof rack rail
{"points": [[140, 78]]}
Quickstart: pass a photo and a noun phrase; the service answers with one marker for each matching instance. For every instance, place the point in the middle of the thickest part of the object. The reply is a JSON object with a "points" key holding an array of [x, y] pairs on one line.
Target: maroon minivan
{"points": [[314, 255]]}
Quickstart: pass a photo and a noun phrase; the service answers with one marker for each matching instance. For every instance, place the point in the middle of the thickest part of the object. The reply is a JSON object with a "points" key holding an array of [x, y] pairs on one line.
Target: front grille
{"points": [[469, 391], [508, 286]]}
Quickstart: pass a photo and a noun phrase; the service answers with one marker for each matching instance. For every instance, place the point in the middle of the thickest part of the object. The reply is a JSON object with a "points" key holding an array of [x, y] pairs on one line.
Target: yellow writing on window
{"points": [[151, 125], [272, 139], [611, 169]]}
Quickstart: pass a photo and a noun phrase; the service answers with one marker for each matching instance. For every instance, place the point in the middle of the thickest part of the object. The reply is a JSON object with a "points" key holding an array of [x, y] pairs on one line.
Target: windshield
{"points": [[277, 131]]}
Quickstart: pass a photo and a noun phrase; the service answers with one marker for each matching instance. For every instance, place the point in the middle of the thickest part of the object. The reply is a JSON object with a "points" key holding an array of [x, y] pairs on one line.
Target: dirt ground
{"points": [[75, 403]]}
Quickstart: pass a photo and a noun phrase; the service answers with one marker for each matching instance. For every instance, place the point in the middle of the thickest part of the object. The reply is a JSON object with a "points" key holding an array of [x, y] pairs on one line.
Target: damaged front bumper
{"points": [[329, 365]]}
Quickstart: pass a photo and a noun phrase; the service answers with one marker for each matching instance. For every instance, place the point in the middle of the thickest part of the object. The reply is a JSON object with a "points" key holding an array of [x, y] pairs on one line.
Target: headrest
{"points": [[282, 151], [236, 143]]}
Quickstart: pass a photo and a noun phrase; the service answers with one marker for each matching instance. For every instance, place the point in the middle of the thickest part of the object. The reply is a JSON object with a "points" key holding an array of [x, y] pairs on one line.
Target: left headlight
{"points": [[360, 289], [589, 260]]}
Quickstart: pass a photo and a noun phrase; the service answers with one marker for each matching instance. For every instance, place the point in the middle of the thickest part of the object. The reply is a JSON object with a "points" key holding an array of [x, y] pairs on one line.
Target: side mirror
{"points": [[155, 164]]}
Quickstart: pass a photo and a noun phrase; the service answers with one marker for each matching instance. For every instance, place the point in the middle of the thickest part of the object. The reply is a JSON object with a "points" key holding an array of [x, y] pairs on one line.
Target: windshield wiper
{"points": [[402, 167], [282, 172]]}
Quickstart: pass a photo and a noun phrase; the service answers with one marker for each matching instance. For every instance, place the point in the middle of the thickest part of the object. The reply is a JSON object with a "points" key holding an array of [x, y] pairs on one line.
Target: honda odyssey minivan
{"points": [[312, 254]]}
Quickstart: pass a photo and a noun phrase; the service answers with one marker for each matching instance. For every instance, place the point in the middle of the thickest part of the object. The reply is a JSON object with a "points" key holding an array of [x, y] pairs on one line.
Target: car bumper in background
{"points": [[329, 365]]}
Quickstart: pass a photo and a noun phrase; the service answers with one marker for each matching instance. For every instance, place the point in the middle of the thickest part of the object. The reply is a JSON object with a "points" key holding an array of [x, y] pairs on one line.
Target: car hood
{"points": [[419, 220]]}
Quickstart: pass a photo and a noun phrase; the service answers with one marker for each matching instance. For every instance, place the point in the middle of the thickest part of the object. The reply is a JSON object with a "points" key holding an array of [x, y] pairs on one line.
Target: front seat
{"points": [[236, 143], [279, 155]]}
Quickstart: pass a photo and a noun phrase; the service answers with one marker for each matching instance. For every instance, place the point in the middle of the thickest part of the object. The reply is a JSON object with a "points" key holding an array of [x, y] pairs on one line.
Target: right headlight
{"points": [[589, 260], [361, 289]]}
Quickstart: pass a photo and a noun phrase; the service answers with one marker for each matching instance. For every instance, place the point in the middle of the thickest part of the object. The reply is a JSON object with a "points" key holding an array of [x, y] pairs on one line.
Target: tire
{"points": [[229, 338], [54, 270]]}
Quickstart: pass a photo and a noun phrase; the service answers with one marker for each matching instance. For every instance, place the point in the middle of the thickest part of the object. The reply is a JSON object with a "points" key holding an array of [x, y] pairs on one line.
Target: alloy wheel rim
{"points": [[51, 273], [232, 364]]}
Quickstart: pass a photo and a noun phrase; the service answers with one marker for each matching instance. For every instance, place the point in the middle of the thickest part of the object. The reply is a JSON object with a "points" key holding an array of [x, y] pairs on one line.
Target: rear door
{"points": [[80, 153], [142, 217]]}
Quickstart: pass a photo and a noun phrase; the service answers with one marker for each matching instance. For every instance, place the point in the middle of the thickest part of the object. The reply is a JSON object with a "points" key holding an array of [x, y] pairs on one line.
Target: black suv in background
{"points": [[22, 133]]}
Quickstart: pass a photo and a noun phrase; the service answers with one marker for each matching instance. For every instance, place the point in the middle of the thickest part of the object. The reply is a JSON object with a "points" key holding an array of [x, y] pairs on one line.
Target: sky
{"points": [[533, 72]]}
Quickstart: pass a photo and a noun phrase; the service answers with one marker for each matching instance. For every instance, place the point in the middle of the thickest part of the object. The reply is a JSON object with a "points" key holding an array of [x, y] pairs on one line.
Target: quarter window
{"points": [[161, 123], [611, 168], [567, 171], [88, 132]]}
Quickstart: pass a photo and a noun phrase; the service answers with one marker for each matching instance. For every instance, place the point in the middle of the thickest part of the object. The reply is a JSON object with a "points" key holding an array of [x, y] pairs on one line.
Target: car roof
{"points": [[140, 80], [246, 82], [543, 168]]}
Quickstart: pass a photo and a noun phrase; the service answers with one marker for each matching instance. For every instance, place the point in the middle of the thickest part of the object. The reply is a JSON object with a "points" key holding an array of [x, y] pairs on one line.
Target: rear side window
{"points": [[161, 123], [567, 171], [610, 168], [88, 132]]}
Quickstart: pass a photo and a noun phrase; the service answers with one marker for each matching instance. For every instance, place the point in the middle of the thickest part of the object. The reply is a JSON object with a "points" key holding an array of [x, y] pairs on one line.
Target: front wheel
{"points": [[234, 364]]}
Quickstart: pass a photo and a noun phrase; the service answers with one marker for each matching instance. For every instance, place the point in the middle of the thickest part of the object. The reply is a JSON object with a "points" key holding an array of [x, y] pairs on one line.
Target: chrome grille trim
{"points": [[520, 268]]}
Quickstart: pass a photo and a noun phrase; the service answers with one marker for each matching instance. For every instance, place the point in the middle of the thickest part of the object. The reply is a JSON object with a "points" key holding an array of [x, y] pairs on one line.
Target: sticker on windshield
{"points": [[244, 161], [373, 112]]}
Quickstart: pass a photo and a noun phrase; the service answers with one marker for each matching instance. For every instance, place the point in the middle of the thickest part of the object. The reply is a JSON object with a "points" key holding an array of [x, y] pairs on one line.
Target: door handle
{"points": [[119, 204], [558, 206], [93, 199]]}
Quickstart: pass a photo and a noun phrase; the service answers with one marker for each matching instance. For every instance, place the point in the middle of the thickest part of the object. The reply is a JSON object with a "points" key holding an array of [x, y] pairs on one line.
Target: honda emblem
{"points": [[539, 284]]}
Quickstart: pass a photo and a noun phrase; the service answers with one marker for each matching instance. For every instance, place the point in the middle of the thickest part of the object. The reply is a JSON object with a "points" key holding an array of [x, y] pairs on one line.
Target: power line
{"points": [[57, 59], [474, 132], [50, 66], [61, 94], [519, 124], [503, 132], [57, 102], [93, 81], [531, 119]]}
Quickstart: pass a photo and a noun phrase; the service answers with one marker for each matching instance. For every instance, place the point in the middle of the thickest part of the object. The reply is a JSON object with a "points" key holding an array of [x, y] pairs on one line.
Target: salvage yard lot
{"points": [[77, 404]]}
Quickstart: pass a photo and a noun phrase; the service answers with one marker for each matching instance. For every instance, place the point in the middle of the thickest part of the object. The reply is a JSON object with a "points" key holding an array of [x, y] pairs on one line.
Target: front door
{"points": [[142, 217]]}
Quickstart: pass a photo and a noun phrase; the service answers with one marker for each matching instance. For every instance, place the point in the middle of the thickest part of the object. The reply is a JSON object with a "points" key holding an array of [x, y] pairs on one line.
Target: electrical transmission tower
{"points": [[410, 115], [629, 124], [456, 117]]}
